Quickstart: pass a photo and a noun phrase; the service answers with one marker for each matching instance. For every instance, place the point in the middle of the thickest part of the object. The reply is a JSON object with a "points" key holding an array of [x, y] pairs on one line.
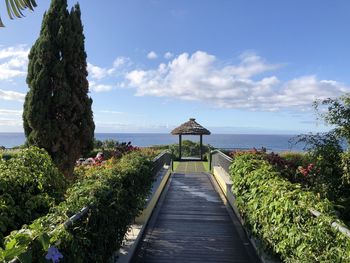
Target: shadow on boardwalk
{"points": [[192, 224]]}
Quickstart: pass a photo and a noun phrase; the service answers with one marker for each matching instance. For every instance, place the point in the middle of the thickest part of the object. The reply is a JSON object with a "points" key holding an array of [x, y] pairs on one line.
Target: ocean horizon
{"points": [[273, 142]]}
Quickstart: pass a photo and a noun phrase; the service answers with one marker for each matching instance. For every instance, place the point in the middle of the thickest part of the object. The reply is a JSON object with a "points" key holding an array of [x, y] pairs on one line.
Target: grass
{"points": [[205, 164], [175, 164]]}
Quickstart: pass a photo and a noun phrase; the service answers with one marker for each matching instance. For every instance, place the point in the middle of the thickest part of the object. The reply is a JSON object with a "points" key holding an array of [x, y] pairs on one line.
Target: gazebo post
{"points": [[180, 147], [201, 146], [191, 127]]}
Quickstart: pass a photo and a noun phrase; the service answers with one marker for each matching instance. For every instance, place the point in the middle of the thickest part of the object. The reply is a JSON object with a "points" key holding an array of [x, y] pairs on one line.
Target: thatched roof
{"points": [[190, 127]]}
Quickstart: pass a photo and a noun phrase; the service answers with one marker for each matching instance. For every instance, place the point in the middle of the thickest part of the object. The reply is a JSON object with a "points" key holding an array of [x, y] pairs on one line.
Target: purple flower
{"points": [[53, 254]]}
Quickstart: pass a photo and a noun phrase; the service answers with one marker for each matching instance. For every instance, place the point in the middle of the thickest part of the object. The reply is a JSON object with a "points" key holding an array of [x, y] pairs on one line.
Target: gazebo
{"points": [[190, 127]]}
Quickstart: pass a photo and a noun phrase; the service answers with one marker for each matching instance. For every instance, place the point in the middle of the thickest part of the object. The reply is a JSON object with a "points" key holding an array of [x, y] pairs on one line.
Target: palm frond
{"points": [[15, 8]]}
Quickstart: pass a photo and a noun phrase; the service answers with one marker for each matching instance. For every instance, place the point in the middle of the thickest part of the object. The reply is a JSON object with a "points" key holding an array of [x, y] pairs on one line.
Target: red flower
{"points": [[310, 166]]}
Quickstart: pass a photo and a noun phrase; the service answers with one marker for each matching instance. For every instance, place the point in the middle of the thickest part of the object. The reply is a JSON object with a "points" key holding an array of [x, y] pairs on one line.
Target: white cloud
{"points": [[201, 77], [15, 51], [136, 77], [108, 126], [168, 55], [152, 55], [13, 62], [120, 61], [11, 120], [6, 112], [11, 95], [251, 64], [100, 87], [97, 72]]}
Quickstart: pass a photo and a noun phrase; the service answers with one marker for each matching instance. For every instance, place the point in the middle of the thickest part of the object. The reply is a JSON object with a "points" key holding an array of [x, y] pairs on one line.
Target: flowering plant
{"points": [[53, 254]]}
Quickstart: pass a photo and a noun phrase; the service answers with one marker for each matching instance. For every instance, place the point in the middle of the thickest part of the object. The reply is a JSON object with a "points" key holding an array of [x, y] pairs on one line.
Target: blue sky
{"points": [[236, 66]]}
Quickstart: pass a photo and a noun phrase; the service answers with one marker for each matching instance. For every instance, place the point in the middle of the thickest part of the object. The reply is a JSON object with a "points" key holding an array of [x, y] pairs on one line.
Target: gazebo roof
{"points": [[190, 127]]}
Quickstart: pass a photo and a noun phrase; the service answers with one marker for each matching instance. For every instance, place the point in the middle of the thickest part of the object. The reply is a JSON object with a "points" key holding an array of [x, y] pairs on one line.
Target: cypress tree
{"points": [[57, 112]]}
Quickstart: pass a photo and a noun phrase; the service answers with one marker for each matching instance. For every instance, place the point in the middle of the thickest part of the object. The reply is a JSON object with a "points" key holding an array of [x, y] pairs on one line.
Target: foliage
{"points": [[235, 153], [345, 164], [111, 148], [8, 154], [115, 193], [160, 147], [150, 152], [287, 168], [189, 149], [109, 144], [15, 8], [29, 185], [57, 112], [122, 148], [276, 211], [298, 158], [325, 153], [97, 144], [337, 113], [106, 144]]}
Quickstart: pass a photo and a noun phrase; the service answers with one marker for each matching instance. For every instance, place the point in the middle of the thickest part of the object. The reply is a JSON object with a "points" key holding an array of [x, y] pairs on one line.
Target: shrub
{"points": [[8, 154], [117, 194], [298, 158], [345, 164], [29, 185], [325, 152], [276, 211]]}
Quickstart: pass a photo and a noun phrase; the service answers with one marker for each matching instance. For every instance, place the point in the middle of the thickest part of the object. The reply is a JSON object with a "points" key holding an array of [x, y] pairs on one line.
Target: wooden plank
{"points": [[192, 224]]}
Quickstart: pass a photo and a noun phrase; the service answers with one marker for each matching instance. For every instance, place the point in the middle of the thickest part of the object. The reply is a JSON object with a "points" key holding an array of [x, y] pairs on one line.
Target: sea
{"points": [[275, 143]]}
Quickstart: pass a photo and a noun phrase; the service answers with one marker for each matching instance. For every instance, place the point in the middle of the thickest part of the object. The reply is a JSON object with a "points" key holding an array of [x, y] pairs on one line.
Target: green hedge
{"points": [[276, 211], [117, 193], [29, 185]]}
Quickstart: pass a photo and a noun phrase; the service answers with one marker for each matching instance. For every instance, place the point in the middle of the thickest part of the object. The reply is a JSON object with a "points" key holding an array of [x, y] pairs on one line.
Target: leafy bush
{"points": [[117, 193], [287, 168], [298, 158], [345, 164], [325, 152], [276, 211], [160, 147], [336, 112], [7, 154], [29, 185], [111, 148]]}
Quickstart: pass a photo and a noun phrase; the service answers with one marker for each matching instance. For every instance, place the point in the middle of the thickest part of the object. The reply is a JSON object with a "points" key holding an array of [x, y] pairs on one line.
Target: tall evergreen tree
{"points": [[57, 112]]}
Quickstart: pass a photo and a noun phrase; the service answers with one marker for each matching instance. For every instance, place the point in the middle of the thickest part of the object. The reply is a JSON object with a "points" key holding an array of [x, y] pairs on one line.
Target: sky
{"points": [[237, 66]]}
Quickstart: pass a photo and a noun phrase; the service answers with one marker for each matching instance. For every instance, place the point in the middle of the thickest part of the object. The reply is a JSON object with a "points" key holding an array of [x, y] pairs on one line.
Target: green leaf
{"points": [[9, 12], [26, 257], [44, 240], [11, 244], [15, 9], [13, 253]]}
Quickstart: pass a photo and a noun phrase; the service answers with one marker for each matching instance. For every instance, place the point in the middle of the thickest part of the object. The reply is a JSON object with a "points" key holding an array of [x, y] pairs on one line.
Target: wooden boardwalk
{"points": [[192, 224]]}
